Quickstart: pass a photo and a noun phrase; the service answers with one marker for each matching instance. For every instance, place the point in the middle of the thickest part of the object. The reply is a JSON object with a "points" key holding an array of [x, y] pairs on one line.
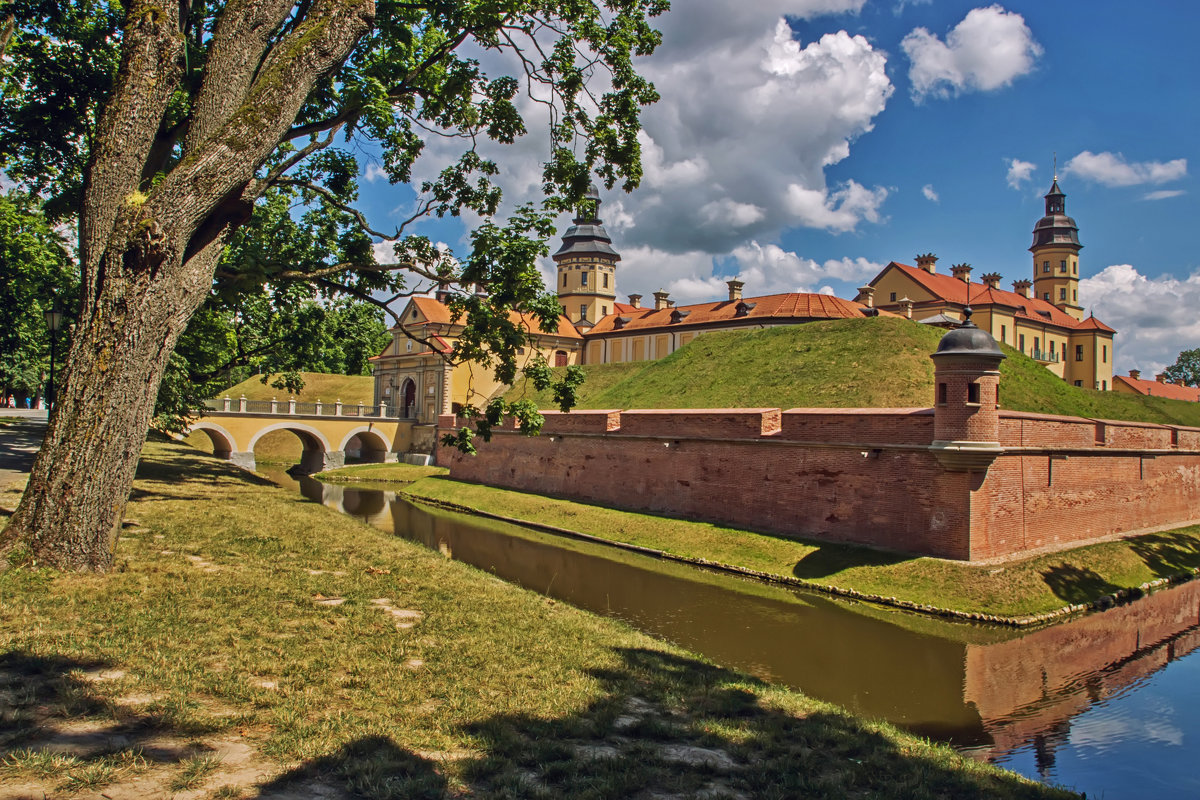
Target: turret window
{"points": [[1079, 352], [583, 279], [1062, 267], [1074, 267], [1045, 266], [972, 392], [564, 279], [1062, 294], [606, 281]]}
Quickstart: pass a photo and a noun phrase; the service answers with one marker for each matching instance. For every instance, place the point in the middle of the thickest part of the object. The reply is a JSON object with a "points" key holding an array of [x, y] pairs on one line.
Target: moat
{"points": [[1103, 704]]}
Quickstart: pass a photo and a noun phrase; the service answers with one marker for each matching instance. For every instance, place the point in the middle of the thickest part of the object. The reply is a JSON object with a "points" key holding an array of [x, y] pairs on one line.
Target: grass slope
{"points": [[247, 631], [317, 386], [862, 363]]}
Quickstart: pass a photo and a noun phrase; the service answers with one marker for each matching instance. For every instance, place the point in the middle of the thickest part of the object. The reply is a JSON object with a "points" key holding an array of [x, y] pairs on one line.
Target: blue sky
{"points": [[803, 144]]}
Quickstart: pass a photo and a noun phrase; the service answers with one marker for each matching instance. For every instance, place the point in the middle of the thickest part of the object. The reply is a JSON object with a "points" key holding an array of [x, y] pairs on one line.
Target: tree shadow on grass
{"points": [[832, 558], [57, 728], [1074, 584], [1168, 554], [669, 726], [162, 475]]}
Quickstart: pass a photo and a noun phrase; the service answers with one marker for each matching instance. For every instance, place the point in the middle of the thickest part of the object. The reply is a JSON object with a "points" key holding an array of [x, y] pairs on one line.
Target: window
{"points": [[1046, 296], [1003, 333], [606, 280], [1062, 294], [1074, 295], [972, 392], [893, 297], [1045, 266], [1104, 357], [564, 279], [1062, 267], [1079, 384], [583, 310], [1037, 343], [941, 394], [583, 279], [520, 351], [1104, 386], [408, 346], [1021, 338], [604, 311], [1078, 353], [1074, 267]]}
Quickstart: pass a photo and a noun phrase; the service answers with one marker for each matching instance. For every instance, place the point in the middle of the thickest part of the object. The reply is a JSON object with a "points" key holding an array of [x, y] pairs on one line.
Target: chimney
{"points": [[1135, 374], [735, 289], [1021, 287], [867, 293], [1161, 377], [660, 300], [907, 305], [962, 272], [442, 295], [927, 262], [991, 280], [635, 300]]}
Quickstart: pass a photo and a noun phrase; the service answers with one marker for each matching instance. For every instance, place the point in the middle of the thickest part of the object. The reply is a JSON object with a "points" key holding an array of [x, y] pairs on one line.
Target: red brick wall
{"points": [[856, 475]]}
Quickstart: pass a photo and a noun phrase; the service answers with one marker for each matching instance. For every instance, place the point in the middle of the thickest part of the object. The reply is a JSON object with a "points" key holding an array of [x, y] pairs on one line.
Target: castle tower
{"points": [[966, 412], [1056, 255], [587, 266]]}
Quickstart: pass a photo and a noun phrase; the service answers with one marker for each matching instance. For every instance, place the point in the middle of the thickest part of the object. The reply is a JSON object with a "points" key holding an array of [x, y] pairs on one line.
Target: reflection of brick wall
{"points": [[1026, 686], [858, 475]]}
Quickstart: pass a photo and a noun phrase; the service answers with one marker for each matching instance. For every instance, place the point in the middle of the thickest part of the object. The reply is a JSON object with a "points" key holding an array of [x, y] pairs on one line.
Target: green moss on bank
{"points": [[348, 658]]}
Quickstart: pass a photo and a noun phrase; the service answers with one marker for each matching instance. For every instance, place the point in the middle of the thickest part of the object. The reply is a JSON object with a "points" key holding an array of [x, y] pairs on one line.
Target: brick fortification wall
{"points": [[858, 475]]}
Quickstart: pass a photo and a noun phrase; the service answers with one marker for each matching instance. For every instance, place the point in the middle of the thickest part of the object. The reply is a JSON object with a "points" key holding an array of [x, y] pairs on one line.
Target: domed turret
{"points": [[587, 280], [966, 414], [1056, 255]]}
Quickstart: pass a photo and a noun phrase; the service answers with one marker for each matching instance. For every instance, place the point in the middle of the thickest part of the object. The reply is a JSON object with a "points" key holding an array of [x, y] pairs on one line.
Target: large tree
{"points": [[169, 130], [1186, 369]]}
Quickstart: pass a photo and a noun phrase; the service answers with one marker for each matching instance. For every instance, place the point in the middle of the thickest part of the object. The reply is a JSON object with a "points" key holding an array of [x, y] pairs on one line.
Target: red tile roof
{"points": [[435, 311], [774, 307], [955, 290], [1173, 391]]}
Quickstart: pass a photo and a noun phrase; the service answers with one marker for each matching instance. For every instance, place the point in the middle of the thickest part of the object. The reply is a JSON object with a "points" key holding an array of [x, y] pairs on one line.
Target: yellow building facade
{"points": [[1041, 316]]}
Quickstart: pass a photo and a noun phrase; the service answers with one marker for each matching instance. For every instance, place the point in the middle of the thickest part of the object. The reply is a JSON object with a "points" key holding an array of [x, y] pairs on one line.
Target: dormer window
{"points": [[621, 322], [678, 315], [743, 308]]}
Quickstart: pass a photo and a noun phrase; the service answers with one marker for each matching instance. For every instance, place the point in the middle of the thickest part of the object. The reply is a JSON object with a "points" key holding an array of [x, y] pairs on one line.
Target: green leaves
{"points": [[1186, 369]]}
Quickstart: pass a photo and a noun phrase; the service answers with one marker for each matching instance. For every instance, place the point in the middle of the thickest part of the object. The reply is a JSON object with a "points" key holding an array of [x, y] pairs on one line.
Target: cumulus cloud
{"points": [[1155, 318], [374, 173], [929, 192], [1111, 169], [765, 269], [988, 50], [736, 150], [1019, 172]]}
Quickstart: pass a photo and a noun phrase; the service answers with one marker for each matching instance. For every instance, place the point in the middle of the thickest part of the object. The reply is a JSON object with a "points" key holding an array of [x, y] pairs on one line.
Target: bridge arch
{"points": [[224, 445], [316, 447], [375, 445]]}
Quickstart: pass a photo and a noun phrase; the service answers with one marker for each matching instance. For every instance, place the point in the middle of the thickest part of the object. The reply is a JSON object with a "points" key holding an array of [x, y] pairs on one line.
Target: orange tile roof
{"points": [[954, 290], [437, 312], [1174, 391], [790, 306]]}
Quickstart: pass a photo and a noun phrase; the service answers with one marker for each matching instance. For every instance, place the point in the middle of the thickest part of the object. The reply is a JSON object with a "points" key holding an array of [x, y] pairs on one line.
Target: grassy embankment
{"points": [[869, 363], [246, 633]]}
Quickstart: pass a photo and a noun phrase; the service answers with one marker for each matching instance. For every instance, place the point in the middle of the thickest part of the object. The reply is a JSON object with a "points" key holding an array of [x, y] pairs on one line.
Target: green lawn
{"points": [[246, 631], [317, 386]]}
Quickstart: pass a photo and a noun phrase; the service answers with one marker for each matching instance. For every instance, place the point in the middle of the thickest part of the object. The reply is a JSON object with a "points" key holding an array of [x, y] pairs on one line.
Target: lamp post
{"points": [[53, 322]]}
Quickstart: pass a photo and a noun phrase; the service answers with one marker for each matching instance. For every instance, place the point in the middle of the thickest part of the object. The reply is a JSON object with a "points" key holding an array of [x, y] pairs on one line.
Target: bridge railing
{"points": [[320, 409]]}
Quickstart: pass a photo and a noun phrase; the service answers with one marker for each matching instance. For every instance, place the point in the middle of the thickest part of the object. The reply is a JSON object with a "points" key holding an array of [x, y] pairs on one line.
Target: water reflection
{"points": [[1022, 699]]}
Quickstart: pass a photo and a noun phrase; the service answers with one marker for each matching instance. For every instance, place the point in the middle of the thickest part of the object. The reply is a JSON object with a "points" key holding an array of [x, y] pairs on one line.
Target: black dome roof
{"points": [[969, 340]]}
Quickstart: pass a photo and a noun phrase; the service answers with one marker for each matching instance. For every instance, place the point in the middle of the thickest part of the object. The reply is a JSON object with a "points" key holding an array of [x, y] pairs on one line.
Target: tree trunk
{"points": [[72, 510], [147, 258]]}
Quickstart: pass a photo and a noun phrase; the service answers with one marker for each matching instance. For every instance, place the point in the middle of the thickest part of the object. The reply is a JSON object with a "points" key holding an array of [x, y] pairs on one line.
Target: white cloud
{"points": [[1163, 194], [929, 192], [374, 173], [1111, 169], [1019, 171], [736, 149], [838, 211], [988, 50], [1155, 318]]}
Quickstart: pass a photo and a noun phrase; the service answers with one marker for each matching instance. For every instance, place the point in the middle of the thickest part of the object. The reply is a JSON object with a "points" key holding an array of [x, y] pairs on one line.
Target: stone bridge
{"points": [[330, 432]]}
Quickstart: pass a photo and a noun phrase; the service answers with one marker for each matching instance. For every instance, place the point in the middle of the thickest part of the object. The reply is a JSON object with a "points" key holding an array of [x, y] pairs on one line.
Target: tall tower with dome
{"points": [[587, 266], [1056, 255]]}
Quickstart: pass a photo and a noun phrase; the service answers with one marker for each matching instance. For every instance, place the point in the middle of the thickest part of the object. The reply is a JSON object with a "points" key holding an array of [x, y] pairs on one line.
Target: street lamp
{"points": [[54, 319]]}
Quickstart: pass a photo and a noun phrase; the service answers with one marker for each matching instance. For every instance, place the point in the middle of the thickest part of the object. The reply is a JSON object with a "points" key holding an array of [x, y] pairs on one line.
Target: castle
{"points": [[1042, 318]]}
